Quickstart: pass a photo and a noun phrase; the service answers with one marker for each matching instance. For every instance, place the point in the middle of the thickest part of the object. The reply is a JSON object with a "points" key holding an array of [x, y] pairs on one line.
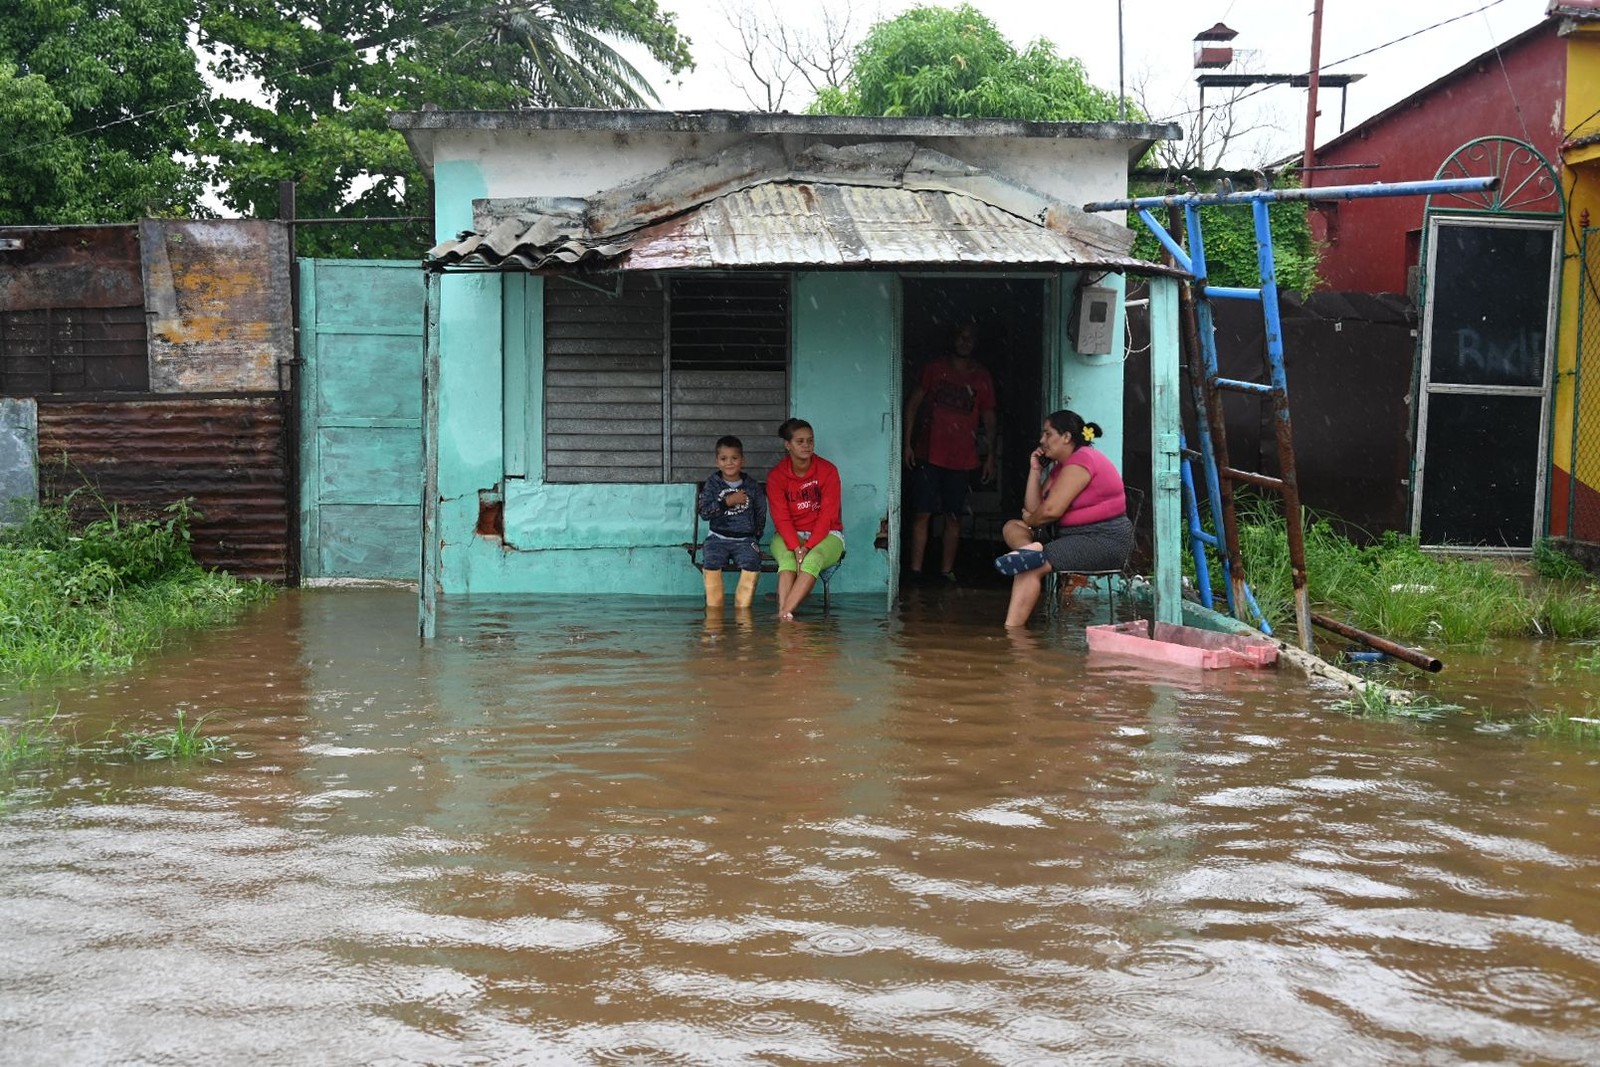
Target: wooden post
{"points": [[1166, 493], [428, 579]]}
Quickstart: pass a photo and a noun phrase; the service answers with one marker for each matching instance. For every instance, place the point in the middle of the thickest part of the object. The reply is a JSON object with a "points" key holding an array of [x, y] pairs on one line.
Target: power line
{"points": [[1516, 105], [1414, 33]]}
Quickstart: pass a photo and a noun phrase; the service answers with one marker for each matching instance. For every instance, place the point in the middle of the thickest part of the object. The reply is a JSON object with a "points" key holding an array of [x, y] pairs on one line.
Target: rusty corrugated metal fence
{"points": [[154, 353], [140, 454]]}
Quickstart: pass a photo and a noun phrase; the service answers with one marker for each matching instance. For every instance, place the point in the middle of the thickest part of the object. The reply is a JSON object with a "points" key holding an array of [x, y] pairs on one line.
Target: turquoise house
{"points": [[613, 290]]}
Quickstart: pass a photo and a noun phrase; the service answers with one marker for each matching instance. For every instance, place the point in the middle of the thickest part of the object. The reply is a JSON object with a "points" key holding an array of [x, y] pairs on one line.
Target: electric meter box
{"points": [[1091, 324]]}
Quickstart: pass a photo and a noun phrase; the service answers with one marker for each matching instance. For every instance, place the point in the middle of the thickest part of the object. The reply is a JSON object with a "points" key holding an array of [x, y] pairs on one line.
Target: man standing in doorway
{"points": [[953, 395]]}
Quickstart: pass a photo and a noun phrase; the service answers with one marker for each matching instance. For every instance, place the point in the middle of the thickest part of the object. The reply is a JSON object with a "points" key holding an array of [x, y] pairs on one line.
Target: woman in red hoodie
{"points": [[804, 498]]}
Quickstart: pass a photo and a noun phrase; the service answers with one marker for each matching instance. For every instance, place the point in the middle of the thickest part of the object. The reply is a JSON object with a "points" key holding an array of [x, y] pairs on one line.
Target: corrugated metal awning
{"points": [[808, 225], [754, 207]]}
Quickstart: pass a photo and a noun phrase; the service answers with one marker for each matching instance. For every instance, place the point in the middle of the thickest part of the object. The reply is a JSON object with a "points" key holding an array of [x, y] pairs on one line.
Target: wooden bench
{"points": [[768, 564]]}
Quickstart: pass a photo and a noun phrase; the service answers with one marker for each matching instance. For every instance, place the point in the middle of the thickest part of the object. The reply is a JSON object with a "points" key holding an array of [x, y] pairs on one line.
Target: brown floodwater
{"points": [[577, 831]]}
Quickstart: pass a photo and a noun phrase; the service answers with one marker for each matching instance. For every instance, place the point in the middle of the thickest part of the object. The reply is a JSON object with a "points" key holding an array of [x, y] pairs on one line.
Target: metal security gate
{"points": [[360, 419], [1492, 272], [1581, 496]]}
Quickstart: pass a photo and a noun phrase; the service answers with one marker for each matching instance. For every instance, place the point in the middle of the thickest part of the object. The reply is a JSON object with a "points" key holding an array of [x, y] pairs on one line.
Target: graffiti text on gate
{"points": [[1498, 357]]}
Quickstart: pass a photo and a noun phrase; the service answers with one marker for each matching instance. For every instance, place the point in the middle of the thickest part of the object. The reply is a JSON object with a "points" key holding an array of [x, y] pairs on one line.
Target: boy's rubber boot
{"points": [[713, 588], [745, 594]]}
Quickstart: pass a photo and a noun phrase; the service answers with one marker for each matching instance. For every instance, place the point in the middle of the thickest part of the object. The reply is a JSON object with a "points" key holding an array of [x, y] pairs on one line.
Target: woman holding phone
{"points": [[1081, 497]]}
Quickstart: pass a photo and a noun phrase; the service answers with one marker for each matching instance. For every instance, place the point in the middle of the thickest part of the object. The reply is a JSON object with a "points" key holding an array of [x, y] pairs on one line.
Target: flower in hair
{"points": [[1088, 433]]}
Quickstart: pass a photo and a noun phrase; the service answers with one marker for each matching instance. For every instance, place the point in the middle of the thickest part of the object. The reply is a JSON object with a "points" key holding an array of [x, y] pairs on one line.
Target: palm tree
{"points": [[554, 51]]}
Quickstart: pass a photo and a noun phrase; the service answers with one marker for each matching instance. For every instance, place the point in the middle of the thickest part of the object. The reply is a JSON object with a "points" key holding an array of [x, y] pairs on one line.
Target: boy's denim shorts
{"points": [[744, 552]]}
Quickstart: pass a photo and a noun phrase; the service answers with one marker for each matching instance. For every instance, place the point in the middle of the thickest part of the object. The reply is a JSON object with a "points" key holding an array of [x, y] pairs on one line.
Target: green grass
{"points": [[1376, 701], [181, 741], [1567, 611], [95, 596], [1395, 589], [1552, 563], [31, 742], [1565, 726], [42, 744]]}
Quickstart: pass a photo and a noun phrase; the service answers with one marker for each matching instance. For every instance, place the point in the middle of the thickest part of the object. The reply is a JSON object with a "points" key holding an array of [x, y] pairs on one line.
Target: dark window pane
{"points": [[1491, 304], [730, 369], [603, 381], [73, 350], [1482, 470]]}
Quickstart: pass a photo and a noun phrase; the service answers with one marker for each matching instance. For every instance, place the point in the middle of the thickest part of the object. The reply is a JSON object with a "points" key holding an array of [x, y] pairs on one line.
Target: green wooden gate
{"points": [[360, 419]]}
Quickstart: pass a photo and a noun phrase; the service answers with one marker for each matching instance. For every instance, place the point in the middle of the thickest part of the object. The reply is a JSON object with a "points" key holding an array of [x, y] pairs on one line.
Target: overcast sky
{"points": [[1158, 48]]}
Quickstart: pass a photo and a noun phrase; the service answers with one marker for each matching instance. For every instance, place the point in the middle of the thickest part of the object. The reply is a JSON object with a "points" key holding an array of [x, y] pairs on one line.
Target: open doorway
{"points": [[1008, 315]]}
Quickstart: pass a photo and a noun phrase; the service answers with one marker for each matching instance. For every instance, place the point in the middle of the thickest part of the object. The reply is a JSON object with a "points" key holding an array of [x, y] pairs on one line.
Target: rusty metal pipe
{"points": [[1415, 657]]}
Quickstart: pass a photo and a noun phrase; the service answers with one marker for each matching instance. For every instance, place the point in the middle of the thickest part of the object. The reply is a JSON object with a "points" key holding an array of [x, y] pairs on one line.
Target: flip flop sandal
{"points": [[1023, 559]]}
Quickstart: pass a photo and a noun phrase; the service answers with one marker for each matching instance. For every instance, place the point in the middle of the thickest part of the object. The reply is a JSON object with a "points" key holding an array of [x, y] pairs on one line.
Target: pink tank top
{"points": [[1103, 498]]}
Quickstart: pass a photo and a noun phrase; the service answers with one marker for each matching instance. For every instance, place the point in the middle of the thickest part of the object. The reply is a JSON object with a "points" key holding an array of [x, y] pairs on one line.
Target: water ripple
{"points": [[836, 943], [1174, 961], [1528, 989], [766, 1023], [641, 1055]]}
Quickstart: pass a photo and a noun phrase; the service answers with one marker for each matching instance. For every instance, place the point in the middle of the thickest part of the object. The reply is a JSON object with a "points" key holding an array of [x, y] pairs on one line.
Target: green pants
{"points": [[824, 554]]}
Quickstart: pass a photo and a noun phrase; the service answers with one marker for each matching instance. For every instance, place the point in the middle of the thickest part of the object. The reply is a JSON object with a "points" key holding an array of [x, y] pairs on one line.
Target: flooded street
{"points": [[612, 832]]}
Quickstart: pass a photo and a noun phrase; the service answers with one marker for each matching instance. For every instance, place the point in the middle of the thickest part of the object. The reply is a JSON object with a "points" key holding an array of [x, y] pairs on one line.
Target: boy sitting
{"points": [[736, 507]]}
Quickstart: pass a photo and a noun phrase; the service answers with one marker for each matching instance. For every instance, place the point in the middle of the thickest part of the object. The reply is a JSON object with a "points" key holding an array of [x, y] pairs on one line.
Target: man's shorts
{"points": [[743, 551], [828, 551], [938, 490]]}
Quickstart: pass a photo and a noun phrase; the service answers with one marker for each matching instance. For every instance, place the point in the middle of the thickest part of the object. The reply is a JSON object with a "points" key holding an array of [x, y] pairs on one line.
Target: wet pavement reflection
{"points": [[618, 832]]}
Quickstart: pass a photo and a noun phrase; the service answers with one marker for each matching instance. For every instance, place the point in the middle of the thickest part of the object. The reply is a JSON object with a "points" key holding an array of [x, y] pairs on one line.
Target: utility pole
{"points": [[1310, 157], [1122, 97]]}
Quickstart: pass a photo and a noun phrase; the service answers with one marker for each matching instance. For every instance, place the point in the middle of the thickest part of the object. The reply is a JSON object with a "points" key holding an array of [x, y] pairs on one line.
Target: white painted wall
{"points": [[514, 163]]}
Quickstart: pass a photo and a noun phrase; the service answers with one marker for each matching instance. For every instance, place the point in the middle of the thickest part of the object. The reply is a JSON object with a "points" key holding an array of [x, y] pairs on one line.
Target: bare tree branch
{"points": [[1227, 127], [771, 55]]}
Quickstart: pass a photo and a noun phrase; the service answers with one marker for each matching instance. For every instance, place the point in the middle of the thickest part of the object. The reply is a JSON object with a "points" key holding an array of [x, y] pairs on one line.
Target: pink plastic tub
{"points": [[1184, 646]]}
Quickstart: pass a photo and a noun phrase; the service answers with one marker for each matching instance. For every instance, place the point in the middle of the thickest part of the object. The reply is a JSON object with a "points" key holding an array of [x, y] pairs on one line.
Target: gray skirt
{"points": [[1095, 546]]}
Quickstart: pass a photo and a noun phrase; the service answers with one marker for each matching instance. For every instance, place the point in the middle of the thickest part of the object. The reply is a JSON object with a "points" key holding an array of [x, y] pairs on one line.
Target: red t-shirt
{"points": [[954, 400], [809, 503]]}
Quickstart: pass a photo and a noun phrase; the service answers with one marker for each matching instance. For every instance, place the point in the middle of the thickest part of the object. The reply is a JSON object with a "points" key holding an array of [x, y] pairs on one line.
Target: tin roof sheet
{"points": [[803, 224], [760, 205]]}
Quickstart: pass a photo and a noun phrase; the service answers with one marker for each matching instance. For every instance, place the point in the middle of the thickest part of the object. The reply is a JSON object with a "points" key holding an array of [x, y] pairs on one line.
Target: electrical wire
{"points": [[1516, 105], [1367, 52]]}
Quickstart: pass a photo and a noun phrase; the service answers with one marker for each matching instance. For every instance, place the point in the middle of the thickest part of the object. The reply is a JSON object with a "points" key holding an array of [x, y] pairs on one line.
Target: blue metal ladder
{"points": [[1208, 384]]}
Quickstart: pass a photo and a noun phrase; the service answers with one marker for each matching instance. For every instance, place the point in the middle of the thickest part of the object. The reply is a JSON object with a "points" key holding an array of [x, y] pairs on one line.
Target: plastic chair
{"points": [[1057, 590]]}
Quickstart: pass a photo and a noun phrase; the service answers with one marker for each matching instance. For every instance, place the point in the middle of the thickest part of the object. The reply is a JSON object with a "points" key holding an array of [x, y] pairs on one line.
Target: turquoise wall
{"points": [[844, 382], [1090, 385], [629, 538], [844, 379]]}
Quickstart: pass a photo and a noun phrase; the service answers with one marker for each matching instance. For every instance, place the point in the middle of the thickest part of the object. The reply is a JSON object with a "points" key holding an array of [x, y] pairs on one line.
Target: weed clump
{"points": [[1394, 588], [181, 741], [93, 596]]}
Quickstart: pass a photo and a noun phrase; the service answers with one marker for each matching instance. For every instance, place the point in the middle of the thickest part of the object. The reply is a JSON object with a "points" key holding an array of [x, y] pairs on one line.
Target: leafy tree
{"points": [[334, 68], [955, 62], [96, 101], [1230, 234]]}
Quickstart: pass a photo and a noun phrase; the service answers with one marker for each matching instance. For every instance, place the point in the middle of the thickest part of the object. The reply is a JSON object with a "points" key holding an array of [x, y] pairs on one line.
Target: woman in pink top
{"points": [[1082, 496]]}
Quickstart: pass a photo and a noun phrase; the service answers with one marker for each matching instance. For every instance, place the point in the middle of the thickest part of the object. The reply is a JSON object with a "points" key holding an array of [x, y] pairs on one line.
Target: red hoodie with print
{"points": [[808, 503]]}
